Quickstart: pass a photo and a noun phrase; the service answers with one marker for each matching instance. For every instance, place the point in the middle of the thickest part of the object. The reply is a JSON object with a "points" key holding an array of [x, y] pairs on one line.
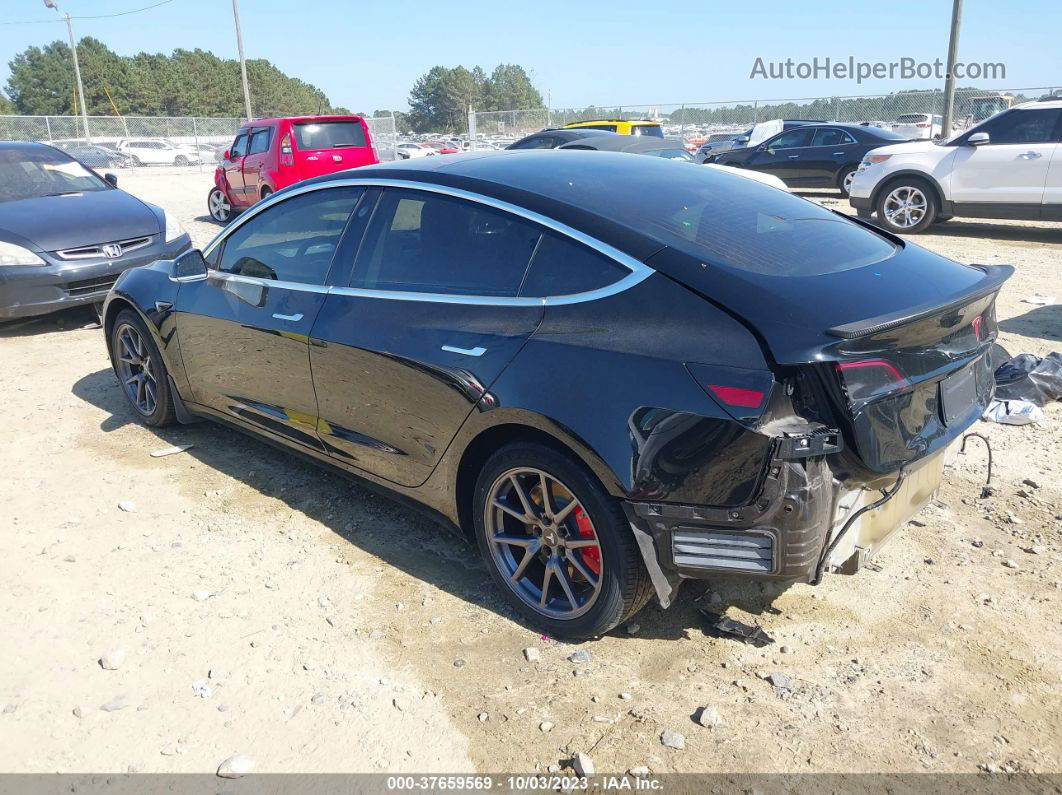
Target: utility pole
{"points": [[243, 62], [949, 81], [77, 67]]}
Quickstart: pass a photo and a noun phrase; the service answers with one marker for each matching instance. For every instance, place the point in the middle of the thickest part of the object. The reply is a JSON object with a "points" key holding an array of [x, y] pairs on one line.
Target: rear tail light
{"points": [[286, 156], [978, 327], [741, 393], [922, 124], [736, 397], [867, 379]]}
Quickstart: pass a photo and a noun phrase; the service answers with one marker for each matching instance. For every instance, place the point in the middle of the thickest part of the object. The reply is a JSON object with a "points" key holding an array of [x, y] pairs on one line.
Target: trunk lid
{"points": [[896, 349]]}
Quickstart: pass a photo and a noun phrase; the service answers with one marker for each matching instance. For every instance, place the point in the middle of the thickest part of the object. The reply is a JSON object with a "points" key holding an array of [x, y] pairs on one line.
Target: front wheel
{"points": [[219, 206], [907, 206], [556, 543], [141, 371], [266, 193], [180, 160]]}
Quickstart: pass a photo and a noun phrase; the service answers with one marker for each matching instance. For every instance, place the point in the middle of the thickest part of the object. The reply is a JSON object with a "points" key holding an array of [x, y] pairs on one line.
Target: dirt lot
{"points": [[267, 608]]}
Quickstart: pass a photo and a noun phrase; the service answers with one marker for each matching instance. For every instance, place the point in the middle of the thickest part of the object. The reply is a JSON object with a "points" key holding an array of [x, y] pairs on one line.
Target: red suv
{"points": [[270, 154]]}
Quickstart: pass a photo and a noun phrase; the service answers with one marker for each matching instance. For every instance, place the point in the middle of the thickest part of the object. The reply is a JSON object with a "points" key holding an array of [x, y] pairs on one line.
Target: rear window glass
{"points": [[329, 135], [648, 129], [563, 267], [725, 220]]}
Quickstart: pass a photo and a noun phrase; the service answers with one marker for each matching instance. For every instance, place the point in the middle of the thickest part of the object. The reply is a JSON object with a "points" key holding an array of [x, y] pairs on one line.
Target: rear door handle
{"points": [[293, 318], [838, 153], [477, 351], [1029, 155], [793, 157]]}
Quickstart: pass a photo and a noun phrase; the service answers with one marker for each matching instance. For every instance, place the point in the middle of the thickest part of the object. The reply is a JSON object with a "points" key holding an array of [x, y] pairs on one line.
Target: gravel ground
{"points": [[163, 614]]}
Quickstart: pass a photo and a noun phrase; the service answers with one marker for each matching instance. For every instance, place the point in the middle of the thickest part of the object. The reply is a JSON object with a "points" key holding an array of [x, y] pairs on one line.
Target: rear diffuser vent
{"points": [[719, 550]]}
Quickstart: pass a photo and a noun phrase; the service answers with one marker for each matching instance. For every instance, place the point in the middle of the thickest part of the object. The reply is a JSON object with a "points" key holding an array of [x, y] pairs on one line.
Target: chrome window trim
{"points": [[639, 271]]}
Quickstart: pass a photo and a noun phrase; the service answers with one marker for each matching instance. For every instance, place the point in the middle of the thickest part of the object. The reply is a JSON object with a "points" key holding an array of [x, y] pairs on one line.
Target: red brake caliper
{"points": [[591, 555]]}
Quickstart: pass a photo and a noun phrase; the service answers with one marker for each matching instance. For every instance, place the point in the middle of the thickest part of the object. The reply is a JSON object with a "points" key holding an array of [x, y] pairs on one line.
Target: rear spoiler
{"points": [[995, 275]]}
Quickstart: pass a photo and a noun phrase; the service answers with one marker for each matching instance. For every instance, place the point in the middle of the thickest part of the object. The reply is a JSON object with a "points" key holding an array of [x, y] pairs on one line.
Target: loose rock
{"points": [[532, 654], [236, 766], [709, 717], [639, 772], [672, 739], [580, 657], [115, 704], [545, 726], [583, 764], [112, 660], [127, 505], [780, 681]]}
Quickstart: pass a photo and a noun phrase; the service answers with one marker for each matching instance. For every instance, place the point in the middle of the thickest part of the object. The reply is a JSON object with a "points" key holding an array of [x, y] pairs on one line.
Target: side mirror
{"points": [[189, 266], [111, 179], [978, 139], [741, 139], [226, 155]]}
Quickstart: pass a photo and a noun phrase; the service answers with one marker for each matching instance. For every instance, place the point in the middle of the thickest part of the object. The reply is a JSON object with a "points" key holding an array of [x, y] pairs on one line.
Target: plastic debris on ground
{"points": [[725, 627], [1013, 412], [1035, 379], [1039, 300]]}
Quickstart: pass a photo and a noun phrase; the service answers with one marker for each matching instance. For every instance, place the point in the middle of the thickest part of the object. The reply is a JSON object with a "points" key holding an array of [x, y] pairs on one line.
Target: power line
{"points": [[94, 16]]}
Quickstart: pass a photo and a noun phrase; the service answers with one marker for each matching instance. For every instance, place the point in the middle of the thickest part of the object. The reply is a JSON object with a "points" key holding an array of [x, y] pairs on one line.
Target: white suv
{"points": [[1008, 166], [158, 151]]}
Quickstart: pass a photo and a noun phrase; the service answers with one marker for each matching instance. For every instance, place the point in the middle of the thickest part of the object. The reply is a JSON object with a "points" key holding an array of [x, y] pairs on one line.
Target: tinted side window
{"points": [[564, 267], [791, 139], [260, 140], [239, 146], [539, 142], [605, 127], [292, 241], [831, 137], [427, 243], [1022, 127]]}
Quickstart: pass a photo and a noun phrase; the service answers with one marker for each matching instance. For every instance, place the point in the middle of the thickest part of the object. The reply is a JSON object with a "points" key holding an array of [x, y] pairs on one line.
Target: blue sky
{"points": [[366, 55]]}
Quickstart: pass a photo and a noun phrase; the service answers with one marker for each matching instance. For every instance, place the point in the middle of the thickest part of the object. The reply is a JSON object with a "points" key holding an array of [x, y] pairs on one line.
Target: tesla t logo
{"points": [[112, 251]]}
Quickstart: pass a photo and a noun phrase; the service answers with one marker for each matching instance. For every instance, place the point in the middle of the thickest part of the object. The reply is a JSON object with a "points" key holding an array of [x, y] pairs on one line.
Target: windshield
{"points": [[27, 174], [654, 130], [329, 135]]}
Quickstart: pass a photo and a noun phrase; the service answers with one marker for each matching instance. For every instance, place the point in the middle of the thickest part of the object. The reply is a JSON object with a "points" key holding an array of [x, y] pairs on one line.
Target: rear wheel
{"points": [[140, 370], [907, 205], [844, 180], [218, 206], [180, 160], [266, 192], [557, 543]]}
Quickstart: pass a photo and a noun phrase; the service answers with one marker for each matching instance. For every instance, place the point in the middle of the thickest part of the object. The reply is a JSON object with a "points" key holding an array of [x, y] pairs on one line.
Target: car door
{"points": [[1052, 202], [431, 318], [831, 150], [244, 328], [1012, 167], [257, 152], [783, 155], [233, 168]]}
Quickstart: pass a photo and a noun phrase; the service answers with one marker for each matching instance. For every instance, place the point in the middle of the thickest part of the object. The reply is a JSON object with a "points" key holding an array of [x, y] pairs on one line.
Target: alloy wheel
{"points": [[219, 206], [905, 207], [846, 184], [135, 369], [544, 543]]}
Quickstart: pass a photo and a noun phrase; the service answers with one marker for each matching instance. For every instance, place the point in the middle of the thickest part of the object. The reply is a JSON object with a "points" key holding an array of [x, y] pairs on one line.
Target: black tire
{"points": [[624, 585], [160, 412], [180, 160], [842, 180], [216, 209], [136, 161], [895, 189]]}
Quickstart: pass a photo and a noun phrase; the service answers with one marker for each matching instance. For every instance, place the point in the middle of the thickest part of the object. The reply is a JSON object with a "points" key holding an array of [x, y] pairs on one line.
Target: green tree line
{"points": [[186, 83], [198, 83]]}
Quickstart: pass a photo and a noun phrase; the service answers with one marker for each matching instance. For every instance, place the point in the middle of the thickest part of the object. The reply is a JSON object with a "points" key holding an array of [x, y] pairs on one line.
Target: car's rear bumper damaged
{"points": [[800, 510]]}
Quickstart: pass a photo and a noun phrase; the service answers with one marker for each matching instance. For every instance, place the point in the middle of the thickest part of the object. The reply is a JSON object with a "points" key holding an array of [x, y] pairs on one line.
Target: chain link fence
{"points": [[695, 121], [163, 142]]}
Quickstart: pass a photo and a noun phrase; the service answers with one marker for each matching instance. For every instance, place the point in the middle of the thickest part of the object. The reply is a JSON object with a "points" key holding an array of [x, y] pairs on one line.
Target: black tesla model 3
{"points": [[613, 372]]}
